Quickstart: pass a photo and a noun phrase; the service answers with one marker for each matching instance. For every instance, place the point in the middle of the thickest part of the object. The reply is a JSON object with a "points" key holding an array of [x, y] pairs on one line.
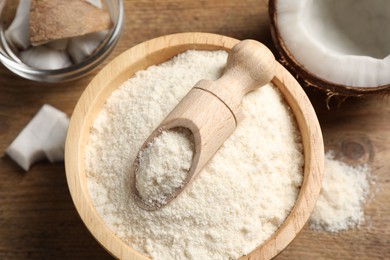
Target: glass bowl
{"points": [[13, 63]]}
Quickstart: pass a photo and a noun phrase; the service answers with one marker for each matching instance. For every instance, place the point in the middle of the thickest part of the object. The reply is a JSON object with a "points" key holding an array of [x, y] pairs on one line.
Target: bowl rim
{"points": [[156, 51]]}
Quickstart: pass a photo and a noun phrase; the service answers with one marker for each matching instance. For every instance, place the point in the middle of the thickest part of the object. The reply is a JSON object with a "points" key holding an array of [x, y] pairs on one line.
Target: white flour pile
{"points": [[164, 165], [239, 199], [344, 190]]}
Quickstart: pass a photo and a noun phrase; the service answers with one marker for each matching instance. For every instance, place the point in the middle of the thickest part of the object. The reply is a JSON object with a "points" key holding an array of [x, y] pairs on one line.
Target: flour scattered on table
{"points": [[234, 204], [344, 190]]}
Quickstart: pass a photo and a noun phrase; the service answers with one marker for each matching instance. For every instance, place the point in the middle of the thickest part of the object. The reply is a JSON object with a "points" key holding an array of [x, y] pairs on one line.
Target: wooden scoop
{"points": [[212, 109]]}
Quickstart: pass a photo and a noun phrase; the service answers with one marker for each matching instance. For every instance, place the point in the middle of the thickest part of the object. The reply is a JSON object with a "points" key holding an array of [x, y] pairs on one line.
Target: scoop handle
{"points": [[250, 65], [212, 109]]}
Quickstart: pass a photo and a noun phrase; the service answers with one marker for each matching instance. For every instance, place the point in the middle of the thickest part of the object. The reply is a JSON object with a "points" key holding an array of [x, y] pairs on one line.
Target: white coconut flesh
{"points": [[345, 42]]}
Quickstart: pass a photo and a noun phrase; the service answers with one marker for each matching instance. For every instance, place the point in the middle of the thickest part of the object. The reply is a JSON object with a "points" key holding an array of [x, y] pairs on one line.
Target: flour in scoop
{"points": [[164, 165], [239, 199]]}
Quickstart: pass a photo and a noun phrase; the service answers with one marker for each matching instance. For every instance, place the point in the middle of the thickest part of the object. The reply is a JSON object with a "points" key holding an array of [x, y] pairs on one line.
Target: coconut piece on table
{"points": [[57, 19], [44, 136], [54, 144]]}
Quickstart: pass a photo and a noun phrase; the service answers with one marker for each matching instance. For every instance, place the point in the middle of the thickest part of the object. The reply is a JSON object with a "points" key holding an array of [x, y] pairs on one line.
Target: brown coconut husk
{"points": [[308, 79], [59, 19]]}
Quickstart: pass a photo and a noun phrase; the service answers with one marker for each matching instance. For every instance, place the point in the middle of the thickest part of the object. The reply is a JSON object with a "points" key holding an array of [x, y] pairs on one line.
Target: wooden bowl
{"points": [[157, 51]]}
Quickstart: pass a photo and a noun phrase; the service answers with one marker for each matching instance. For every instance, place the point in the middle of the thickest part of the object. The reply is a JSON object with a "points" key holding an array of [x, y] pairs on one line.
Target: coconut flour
{"points": [[344, 190], [164, 165], [235, 203]]}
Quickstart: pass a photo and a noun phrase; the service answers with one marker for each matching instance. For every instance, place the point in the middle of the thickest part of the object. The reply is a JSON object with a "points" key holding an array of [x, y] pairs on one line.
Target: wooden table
{"points": [[37, 216]]}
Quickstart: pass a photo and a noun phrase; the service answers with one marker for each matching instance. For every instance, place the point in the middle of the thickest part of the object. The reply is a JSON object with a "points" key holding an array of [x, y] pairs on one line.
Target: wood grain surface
{"points": [[37, 216]]}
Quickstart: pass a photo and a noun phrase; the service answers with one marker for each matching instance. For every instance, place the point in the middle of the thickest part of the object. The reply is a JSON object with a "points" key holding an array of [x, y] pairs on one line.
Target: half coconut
{"points": [[341, 46]]}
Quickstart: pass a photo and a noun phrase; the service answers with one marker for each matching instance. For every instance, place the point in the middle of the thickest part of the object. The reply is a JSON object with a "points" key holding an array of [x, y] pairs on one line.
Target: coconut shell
{"points": [[58, 19], [306, 77]]}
